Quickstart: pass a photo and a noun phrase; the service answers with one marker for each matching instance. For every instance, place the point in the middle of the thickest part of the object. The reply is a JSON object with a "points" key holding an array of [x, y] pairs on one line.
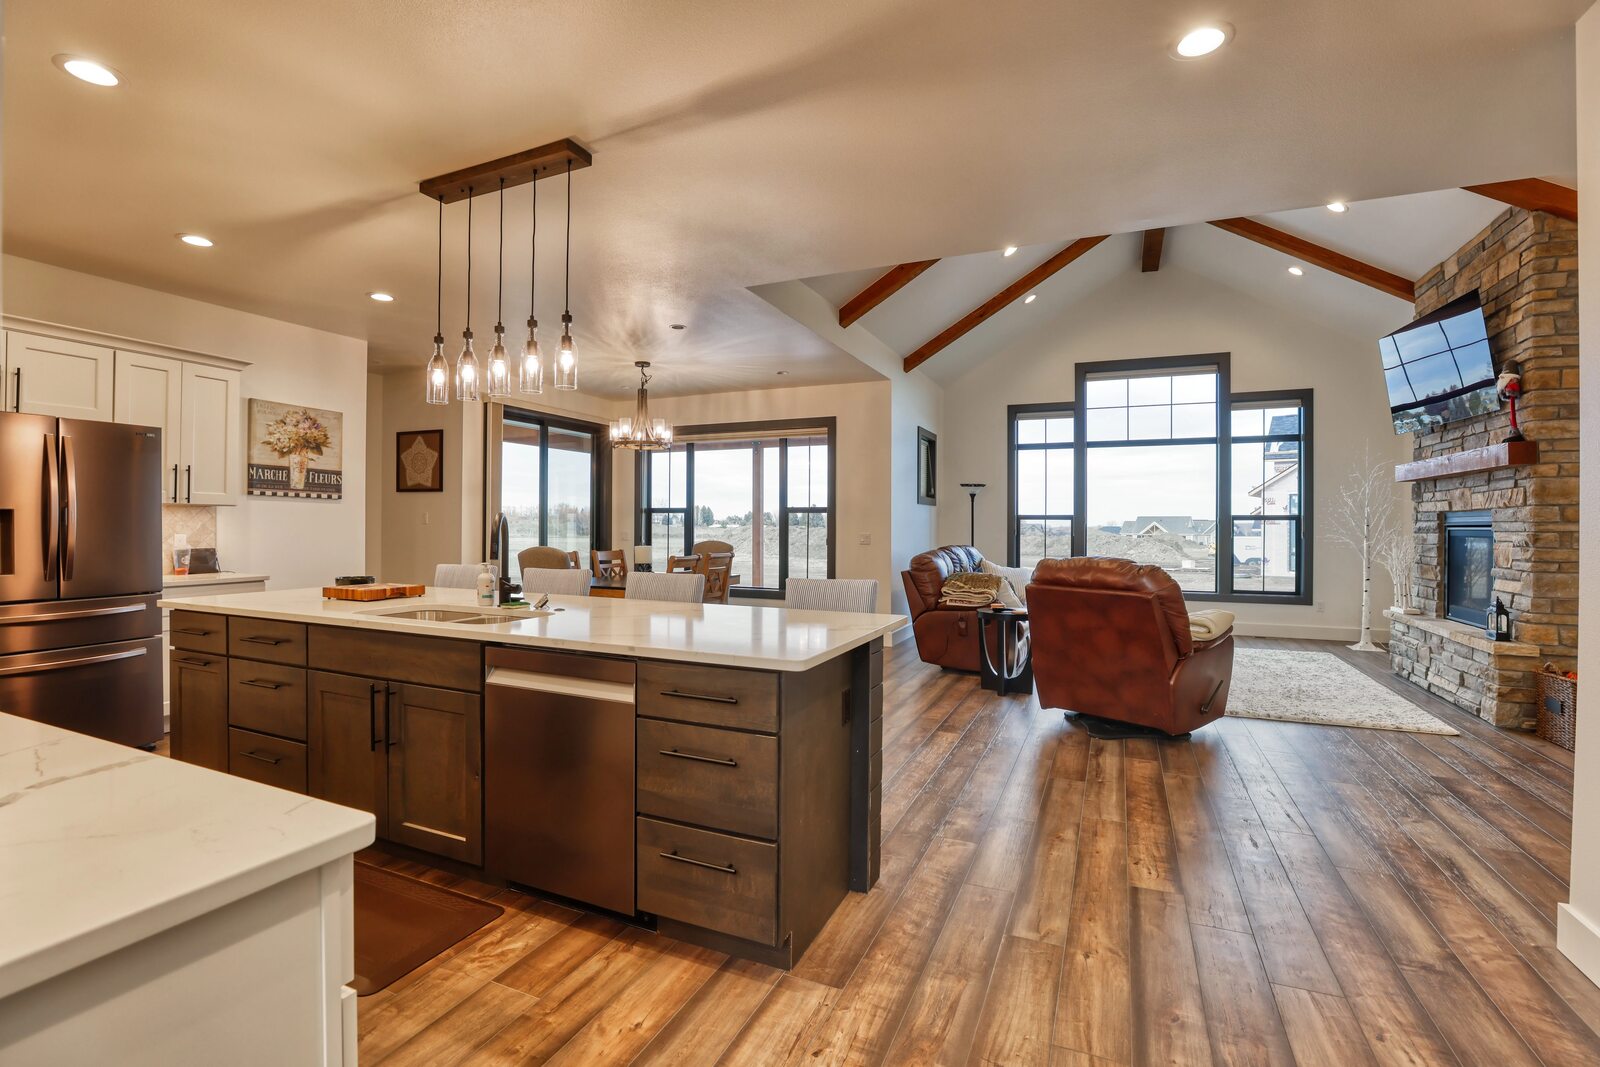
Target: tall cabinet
{"points": [[197, 408]]}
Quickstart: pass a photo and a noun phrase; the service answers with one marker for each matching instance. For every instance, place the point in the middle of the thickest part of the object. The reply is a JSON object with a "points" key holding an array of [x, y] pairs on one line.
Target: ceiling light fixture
{"points": [[1296, 271], [382, 298], [567, 355], [1011, 250], [467, 361], [1202, 41], [438, 382], [499, 367], [1030, 298], [1338, 207], [530, 373], [641, 433], [677, 326], [87, 70], [195, 240]]}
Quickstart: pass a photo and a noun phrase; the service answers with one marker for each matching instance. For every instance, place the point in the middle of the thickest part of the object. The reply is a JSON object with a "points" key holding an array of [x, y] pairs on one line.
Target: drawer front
{"points": [[718, 778], [713, 696], [432, 661], [268, 760], [199, 632], [268, 639], [267, 697], [710, 880]]}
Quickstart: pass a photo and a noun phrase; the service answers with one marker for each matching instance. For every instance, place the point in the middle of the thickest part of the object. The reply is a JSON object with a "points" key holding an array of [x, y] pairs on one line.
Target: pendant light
{"points": [[499, 367], [438, 382], [467, 362], [567, 357], [641, 433], [530, 372]]}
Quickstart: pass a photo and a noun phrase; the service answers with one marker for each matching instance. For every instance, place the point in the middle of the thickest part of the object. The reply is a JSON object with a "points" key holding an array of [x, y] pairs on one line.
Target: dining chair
{"points": [[563, 581], [831, 594], [718, 569], [543, 557], [682, 564], [455, 576], [702, 547], [610, 563], [679, 588]]}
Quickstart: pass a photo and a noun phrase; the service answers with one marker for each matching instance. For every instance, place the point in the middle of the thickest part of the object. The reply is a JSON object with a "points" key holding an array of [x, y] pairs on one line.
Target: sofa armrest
{"points": [[1201, 646]]}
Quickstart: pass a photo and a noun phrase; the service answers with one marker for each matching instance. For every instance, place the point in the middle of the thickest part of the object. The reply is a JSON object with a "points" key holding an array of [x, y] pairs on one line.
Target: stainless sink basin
{"points": [[462, 617]]}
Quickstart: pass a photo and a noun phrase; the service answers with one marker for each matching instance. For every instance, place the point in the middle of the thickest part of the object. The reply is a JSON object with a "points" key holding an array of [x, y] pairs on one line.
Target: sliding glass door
{"points": [[547, 476]]}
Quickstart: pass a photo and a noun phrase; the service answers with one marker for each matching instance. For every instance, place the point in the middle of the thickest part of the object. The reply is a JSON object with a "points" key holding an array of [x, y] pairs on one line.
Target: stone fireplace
{"points": [[1521, 519]]}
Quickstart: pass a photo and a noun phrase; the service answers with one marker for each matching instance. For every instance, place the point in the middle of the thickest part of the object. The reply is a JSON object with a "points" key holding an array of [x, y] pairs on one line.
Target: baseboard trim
{"points": [[1579, 940], [1348, 634]]}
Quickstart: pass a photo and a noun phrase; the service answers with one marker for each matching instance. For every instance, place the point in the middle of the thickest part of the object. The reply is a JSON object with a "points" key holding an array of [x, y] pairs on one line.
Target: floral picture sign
{"points": [[294, 451]]}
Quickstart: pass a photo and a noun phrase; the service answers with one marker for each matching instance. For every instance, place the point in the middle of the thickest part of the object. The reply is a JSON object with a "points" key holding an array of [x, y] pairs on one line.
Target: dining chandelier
{"points": [[640, 432]]}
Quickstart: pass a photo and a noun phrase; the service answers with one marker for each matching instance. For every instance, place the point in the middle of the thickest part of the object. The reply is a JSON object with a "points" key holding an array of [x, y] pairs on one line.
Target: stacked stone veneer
{"points": [[1525, 268]]}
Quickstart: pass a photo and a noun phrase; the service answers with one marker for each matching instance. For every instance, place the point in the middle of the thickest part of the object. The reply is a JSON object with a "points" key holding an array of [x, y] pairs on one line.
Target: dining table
{"points": [[601, 585]]}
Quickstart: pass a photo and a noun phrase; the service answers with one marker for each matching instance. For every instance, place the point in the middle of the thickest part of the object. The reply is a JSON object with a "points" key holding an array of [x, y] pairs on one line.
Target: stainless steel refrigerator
{"points": [[80, 574]]}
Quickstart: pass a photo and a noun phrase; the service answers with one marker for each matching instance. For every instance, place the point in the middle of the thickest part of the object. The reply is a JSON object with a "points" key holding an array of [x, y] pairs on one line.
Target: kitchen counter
{"points": [[731, 635], [126, 874], [191, 581]]}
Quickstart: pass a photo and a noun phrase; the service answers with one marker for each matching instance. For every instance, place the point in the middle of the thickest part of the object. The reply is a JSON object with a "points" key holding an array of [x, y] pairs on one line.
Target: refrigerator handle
{"points": [[52, 507], [70, 555]]}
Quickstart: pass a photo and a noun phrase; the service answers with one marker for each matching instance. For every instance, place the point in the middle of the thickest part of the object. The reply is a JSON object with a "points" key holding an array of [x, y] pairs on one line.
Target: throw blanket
{"points": [[1204, 625], [969, 591]]}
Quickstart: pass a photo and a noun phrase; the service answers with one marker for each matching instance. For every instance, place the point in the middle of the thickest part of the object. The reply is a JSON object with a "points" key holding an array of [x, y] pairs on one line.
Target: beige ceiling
{"points": [[735, 144]]}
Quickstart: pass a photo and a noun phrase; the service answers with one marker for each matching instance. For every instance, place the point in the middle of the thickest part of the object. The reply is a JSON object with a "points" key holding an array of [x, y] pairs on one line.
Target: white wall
{"points": [[297, 542], [1174, 313], [1578, 921]]}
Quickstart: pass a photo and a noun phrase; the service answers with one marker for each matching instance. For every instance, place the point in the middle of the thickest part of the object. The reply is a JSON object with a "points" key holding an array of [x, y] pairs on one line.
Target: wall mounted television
{"points": [[1439, 368]]}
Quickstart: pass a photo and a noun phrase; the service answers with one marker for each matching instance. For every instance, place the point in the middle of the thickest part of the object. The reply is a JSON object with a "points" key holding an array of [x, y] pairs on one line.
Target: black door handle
{"points": [[16, 397], [174, 483], [372, 714], [721, 761], [188, 484]]}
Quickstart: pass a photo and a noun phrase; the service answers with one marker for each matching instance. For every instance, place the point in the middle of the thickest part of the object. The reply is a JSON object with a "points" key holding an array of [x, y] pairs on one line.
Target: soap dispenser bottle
{"points": [[485, 585]]}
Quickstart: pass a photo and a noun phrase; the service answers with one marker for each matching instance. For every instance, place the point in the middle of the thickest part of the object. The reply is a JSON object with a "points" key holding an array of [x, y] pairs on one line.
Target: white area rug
{"points": [[1318, 687]]}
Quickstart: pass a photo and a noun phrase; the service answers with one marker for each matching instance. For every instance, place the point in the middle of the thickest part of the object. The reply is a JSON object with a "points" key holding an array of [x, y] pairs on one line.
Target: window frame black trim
{"points": [[599, 472]]}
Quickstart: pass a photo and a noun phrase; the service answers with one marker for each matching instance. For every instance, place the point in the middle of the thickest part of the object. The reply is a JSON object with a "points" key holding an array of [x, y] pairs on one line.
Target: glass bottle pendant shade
{"points": [[467, 370], [438, 385], [499, 367], [530, 372], [566, 358]]}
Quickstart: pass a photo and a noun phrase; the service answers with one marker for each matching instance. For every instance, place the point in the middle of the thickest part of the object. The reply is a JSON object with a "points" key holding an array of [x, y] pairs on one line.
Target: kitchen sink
{"points": [[490, 617]]}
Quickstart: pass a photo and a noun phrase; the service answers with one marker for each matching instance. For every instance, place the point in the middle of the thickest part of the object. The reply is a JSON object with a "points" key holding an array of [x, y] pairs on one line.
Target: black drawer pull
{"points": [[259, 684], [194, 633], [274, 760], [196, 662], [266, 640], [711, 698], [721, 761], [725, 869]]}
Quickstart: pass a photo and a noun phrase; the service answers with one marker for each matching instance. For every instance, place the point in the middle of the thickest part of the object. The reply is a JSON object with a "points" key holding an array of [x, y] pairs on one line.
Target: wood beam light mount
{"points": [[893, 280], [1532, 194], [1318, 256], [958, 329], [1150, 257], [543, 162]]}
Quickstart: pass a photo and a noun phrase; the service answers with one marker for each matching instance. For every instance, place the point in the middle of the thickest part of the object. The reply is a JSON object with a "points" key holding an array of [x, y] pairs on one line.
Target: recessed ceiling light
{"points": [[382, 298], [1011, 250], [88, 70], [782, 373], [1202, 41], [196, 240], [1296, 271], [1030, 298], [679, 326], [1338, 207]]}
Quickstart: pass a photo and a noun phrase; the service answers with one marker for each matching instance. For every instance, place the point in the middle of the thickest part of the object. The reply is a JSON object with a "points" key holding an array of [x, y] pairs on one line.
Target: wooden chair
{"points": [[543, 557], [683, 564], [610, 564], [718, 569], [702, 547]]}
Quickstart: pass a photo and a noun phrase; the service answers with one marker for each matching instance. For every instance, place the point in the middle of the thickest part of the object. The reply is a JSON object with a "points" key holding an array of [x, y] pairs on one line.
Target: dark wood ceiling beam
{"points": [[893, 280], [1532, 194], [1318, 256], [1150, 257], [979, 314], [546, 161]]}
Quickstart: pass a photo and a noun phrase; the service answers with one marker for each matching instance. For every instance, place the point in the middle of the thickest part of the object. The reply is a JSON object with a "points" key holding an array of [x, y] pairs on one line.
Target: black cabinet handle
{"points": [[394, 737], [194, 633], [266, 640], [724, 868], [16, 397], [174, 483], [372, 714], [196, 662], [708, 697], [259, 684], [274, 760], [721, 761], [188, 484]]}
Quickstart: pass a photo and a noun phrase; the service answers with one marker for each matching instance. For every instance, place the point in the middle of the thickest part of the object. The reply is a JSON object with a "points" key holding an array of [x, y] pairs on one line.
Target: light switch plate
{"points": [[863, 539]]}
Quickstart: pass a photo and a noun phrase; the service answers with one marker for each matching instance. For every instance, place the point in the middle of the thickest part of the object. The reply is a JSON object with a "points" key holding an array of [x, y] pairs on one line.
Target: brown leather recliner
{"points": [[1111, 639], [945, 636]]}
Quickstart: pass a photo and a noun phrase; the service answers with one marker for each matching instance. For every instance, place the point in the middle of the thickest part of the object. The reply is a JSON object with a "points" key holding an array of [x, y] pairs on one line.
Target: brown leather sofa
{"points": [[1111, 639], [945, 636]]}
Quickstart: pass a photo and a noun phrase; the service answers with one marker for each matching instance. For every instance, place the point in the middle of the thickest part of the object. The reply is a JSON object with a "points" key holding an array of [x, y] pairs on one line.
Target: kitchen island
{"points": [[712, 769]]}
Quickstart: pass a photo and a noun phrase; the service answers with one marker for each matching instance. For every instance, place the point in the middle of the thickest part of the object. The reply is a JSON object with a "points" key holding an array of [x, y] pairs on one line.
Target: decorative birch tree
{"points": [[1360, 522], [1397, 551]]}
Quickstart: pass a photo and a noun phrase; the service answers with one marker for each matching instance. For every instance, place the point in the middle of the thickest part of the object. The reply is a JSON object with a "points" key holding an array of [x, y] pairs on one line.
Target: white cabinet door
{"points": [[149, 392], [210, 444], [68, 379]]}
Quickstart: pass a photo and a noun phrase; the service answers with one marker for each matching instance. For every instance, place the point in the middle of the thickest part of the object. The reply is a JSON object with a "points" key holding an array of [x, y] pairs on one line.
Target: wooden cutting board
{"points": [[375, 591]]}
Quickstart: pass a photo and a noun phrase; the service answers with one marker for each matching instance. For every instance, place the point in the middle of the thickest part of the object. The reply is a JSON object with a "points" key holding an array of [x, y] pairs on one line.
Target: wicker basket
{"points": [[1558, 707]]}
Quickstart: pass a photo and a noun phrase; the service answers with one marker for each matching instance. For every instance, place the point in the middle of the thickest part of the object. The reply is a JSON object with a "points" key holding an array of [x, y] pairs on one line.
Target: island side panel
{"points": [[866, 764]]}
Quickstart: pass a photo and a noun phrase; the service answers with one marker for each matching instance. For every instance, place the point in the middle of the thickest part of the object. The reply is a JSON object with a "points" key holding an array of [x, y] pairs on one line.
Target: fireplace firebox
{"points": [[1468, 565]]}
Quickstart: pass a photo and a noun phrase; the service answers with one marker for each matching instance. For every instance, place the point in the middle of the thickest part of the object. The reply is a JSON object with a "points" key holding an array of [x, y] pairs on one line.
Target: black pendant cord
{"points": [[500, 287], [533, 252], [438, 299], [468, 332], [567, 296]]}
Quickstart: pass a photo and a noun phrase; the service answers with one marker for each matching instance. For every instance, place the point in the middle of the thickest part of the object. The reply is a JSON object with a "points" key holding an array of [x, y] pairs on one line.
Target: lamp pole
{"points": [[973, 489]]}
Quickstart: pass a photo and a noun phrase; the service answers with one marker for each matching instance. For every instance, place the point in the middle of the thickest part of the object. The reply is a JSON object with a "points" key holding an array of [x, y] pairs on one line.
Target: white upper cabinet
{"points": [[48, 376], [210, 438], [149, 392]]}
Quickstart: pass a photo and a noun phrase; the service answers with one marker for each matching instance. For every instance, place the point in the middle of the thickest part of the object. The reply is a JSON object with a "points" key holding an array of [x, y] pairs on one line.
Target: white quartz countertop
{"points": [[733, 635], [188, 581], [102, 846]]}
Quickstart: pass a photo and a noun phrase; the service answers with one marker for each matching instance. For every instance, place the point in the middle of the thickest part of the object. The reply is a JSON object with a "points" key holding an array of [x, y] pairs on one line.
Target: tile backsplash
{"points": [[198, 523]]}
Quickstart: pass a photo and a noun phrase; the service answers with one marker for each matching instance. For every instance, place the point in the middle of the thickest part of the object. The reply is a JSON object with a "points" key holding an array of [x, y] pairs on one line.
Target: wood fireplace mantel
{"points": [[1488, 458]]}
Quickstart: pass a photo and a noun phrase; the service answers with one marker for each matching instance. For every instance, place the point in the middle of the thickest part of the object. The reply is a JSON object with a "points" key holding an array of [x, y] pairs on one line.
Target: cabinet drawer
{"points": [[268, 760], [718, 778], [267, 697], [433, 661], [267, 639], [715, 881], [199, 632], [747, 700]]}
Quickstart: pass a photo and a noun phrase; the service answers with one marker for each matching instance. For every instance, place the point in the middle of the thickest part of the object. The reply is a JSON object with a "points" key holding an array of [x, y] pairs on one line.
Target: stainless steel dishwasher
{"points": [[558, 774]]}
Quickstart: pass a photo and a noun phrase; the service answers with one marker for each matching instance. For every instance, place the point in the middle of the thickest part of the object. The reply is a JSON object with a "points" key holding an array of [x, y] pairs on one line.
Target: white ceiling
{"points": [[735, 144]]}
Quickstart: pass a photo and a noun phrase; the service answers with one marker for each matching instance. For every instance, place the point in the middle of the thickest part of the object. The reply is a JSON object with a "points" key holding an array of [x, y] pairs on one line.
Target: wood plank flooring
{"points": [[1266, 893]]}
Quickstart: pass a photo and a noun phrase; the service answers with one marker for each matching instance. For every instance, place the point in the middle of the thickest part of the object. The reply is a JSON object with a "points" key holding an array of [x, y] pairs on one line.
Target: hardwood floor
{"points": [[1266, 893]]}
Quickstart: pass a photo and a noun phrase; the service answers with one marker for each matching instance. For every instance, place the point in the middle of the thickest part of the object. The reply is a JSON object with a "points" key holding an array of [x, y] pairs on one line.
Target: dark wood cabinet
{"points": [[435, 747], [199, 707], [346, 732]]}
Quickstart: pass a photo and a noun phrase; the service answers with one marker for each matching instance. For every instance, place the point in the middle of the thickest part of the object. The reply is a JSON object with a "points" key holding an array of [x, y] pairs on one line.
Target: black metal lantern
{"points": [[1497, 626]]}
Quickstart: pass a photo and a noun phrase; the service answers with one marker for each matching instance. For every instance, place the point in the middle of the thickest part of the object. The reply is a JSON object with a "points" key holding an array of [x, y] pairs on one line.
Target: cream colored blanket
{"points": [[1204, 625]]}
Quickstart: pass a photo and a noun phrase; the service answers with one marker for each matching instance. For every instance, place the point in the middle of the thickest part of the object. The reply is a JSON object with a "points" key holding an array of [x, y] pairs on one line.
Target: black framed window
{"points": [[1145, 463], [549, 477], [766, 489]]}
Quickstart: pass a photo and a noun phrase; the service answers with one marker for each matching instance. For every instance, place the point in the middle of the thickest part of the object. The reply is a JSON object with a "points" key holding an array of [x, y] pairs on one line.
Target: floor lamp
{"points": [[973, 489]]}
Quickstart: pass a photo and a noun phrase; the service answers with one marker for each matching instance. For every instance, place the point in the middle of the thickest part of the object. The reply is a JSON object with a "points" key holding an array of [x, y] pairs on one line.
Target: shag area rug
{"points": [[1319, 687]]}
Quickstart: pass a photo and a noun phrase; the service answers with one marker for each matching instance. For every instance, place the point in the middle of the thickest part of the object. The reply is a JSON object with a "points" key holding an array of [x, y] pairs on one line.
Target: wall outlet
{"points": [[427, 518], [863, 539]]}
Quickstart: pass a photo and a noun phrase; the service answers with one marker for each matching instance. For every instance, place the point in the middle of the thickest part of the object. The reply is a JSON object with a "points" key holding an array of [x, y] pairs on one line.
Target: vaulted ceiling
{"points": [[735, 144]]}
